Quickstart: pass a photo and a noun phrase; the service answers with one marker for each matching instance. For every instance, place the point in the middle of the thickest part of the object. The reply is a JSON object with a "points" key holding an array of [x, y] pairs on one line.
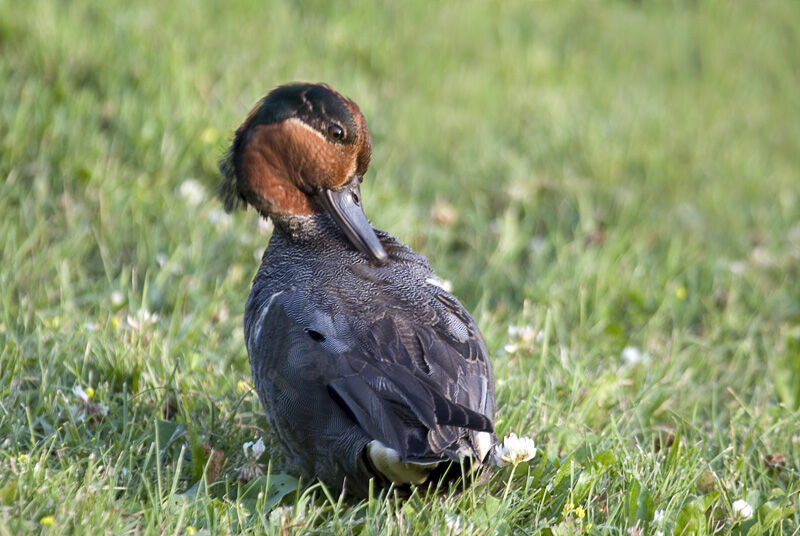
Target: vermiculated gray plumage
{"points": [[344, 352]]}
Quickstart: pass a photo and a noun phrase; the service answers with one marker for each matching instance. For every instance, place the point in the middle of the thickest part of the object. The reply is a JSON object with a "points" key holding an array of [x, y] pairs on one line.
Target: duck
{"points": [[371, 374]]}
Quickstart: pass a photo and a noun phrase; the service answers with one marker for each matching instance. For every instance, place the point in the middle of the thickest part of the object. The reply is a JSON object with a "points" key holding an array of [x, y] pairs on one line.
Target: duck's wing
{"points": [[421, 385], [409, 388]]}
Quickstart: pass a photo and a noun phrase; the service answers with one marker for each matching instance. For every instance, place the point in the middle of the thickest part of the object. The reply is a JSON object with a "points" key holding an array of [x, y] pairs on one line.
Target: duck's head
{"points": [[304, 149]]}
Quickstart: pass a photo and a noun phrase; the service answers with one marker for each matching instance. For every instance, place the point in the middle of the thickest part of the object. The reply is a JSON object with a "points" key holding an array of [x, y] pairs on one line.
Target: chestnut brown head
{"points": [[303, 149]]}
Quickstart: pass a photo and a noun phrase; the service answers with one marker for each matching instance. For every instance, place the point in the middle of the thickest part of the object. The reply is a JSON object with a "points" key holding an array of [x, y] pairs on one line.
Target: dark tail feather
{"points": [[451, 414]]}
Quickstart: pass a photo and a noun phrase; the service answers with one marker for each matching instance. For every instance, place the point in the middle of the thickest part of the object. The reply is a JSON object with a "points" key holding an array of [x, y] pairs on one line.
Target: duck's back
{"points": [[364, 370]]}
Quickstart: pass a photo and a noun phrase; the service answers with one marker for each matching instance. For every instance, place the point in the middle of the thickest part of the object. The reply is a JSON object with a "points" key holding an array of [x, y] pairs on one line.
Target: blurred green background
{"points": [[611, 174]]}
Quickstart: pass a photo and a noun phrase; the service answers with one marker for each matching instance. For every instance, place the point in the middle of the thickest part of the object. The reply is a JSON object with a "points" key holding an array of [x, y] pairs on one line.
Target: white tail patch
{"points": [[387, 461], [483, 444]]}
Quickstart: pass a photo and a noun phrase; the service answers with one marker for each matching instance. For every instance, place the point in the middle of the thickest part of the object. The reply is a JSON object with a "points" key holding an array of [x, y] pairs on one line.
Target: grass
{"points": [[615, 174]]}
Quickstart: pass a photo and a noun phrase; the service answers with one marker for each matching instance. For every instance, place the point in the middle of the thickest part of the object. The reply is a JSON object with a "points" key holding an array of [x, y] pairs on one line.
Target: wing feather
{"points": [[412, 386]]}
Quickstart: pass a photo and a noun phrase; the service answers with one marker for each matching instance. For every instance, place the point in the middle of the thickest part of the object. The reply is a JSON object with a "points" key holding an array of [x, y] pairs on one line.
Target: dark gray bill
{"points": [[345, 207]]}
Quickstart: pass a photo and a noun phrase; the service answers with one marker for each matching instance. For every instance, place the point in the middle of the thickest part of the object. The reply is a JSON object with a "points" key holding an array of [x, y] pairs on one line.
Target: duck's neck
{"points": [[311, 227]]}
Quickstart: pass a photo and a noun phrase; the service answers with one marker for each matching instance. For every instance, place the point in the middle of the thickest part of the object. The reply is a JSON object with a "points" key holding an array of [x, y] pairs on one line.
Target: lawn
{"points": [[613, 189]]}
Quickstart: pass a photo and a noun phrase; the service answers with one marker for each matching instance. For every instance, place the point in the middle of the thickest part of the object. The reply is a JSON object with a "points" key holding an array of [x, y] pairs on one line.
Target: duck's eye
{"points": [[335, 131]]}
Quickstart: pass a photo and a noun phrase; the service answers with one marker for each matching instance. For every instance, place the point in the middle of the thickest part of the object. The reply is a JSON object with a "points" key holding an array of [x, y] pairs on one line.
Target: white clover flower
{"points": [[87, 407], [220, 219], [737, 267], [762, 256], [515, 450], [251, 469], [520, 337], [192, 191], [254, 449], [538, 244], [142, 319], [658, 533], [632, 355], [81, 393], [658, 516], [794, 234], [281, 515], [742, 510], [527, 334], [117, 298], [259, 448], [456, 525]]}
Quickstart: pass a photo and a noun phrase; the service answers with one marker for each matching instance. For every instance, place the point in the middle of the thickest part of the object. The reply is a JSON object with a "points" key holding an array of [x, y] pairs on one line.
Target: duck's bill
{"points": [[345, 207]]}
